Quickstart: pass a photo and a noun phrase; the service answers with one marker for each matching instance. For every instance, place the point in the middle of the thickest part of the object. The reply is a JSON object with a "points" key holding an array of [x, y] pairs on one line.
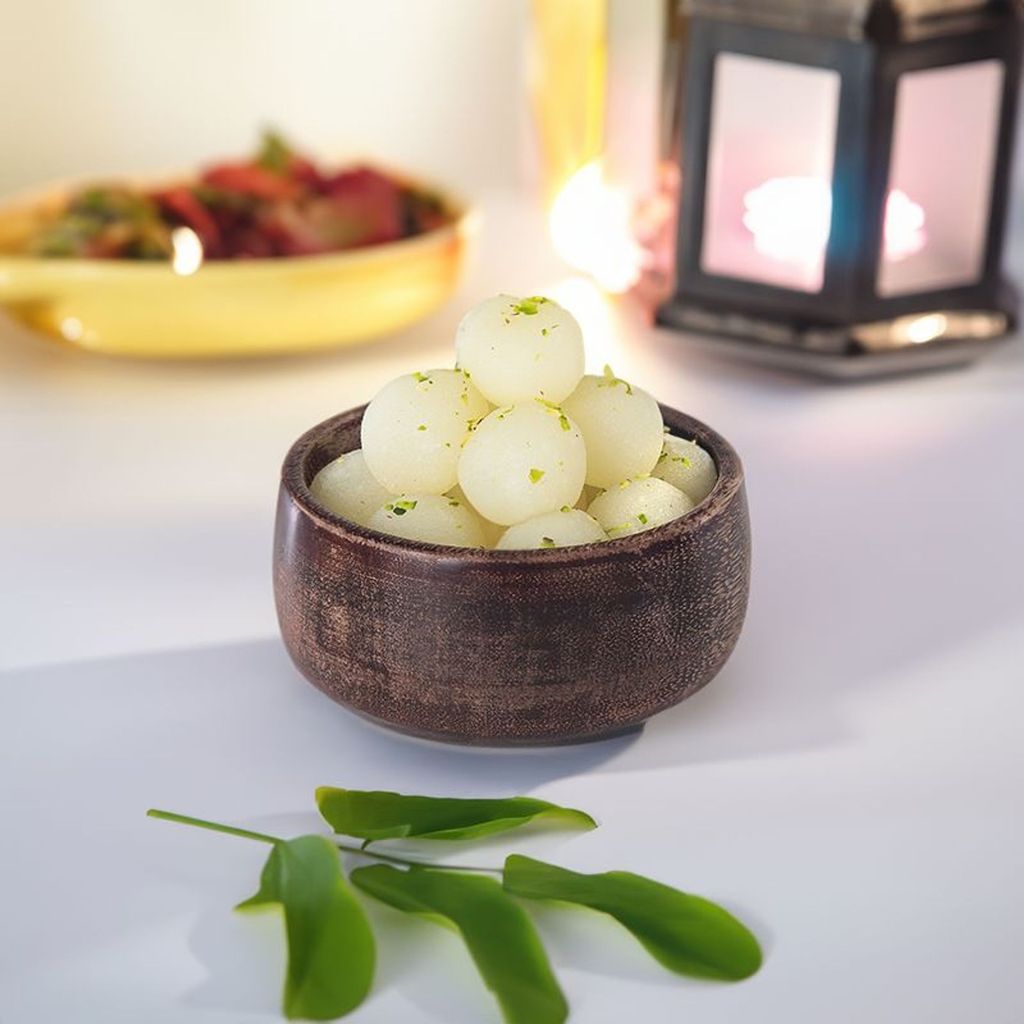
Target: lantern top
{"points": [[852, 18]]}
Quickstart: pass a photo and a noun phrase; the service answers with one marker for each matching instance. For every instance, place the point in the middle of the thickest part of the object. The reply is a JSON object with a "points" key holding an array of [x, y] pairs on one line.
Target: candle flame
{"points": [[791, 218]]}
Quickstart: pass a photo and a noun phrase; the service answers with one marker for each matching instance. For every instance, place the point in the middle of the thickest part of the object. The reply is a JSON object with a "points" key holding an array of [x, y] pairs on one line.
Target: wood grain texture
{"points": [[505, 648]]}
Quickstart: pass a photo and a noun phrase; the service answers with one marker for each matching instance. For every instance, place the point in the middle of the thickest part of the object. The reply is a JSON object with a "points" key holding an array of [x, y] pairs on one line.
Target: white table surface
{"points": [[849, 783]]}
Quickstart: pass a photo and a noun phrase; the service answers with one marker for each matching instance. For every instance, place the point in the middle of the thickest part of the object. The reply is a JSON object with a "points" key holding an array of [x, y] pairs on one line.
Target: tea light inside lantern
{"points": [[790, 220]]}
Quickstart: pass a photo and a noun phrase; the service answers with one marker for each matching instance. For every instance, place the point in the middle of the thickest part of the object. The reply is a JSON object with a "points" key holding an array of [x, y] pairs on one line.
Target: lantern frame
{"points": [[841, 329]]}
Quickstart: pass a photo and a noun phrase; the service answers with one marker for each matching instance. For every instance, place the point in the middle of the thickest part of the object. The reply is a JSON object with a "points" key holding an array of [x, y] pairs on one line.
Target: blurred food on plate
{"points": [[277, 203]]}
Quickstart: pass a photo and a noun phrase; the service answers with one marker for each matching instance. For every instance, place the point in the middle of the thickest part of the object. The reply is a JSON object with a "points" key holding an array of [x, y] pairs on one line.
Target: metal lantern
{"points": [[845, 180]]}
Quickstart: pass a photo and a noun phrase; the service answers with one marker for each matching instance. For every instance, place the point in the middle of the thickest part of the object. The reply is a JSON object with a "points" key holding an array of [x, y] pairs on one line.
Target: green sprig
{"points": [[331, 947]]}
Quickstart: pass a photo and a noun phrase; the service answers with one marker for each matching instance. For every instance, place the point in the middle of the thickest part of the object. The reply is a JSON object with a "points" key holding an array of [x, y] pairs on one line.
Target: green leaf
{"points": [[274, 154], [331, 951], [380, 815], [686, 934], [499, 935]]}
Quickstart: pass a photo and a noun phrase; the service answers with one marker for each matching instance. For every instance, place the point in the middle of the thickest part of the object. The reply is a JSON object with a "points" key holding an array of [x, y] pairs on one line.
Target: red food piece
{"points": [[369, 203], [180, 204], [250, 179], [306, 173]]}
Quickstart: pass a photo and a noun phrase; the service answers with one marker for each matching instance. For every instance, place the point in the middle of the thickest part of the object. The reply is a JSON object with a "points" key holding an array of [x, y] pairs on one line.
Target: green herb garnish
{"points": [[399, 508], [331, 947], [642, 517], [547, 542], [274, 154], [422, 426], [536, 475]]}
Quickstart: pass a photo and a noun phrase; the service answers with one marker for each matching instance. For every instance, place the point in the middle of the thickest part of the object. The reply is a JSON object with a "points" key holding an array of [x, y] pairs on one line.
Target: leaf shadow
{"points": [[243, 956]]}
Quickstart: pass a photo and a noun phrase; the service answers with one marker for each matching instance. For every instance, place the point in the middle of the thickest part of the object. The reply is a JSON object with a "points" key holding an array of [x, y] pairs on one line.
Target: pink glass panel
{"points": [[770, 154], [942, 164]]}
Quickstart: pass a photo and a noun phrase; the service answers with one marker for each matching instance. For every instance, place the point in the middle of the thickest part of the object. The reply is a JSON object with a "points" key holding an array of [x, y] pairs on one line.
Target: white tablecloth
{"points": [[848, 784]]}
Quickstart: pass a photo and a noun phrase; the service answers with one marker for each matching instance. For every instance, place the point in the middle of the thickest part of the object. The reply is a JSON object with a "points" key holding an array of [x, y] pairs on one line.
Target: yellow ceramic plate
{"points": [[227, 308]]}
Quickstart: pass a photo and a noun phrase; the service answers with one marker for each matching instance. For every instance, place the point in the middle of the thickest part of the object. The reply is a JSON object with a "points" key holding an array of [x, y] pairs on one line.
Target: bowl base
{"points": [[495, 742]]}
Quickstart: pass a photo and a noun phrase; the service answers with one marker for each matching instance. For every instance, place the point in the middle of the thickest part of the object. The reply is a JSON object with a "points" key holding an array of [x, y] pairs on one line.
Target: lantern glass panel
{"points": [[771, 148], [940, 177]]}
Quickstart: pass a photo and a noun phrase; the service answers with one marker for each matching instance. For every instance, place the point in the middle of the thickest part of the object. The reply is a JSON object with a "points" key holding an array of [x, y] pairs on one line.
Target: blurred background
{"points": [[433, 85], [148, 486]]}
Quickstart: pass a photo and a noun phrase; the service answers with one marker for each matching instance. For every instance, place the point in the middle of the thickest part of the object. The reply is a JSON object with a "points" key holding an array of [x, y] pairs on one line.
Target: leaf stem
{"points": [[263, 837], [361, 851], [213, 826]]}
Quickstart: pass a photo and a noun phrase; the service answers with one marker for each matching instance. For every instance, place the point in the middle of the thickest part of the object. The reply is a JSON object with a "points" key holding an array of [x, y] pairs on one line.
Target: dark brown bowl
{"points": [[504, 648]]}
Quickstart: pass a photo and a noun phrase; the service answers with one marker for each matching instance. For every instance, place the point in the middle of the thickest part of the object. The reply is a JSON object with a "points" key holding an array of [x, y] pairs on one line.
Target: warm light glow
{"points": [[926, 328], [590, 225], [790, 219], [71, 328], [188, 251], [904, 226]]}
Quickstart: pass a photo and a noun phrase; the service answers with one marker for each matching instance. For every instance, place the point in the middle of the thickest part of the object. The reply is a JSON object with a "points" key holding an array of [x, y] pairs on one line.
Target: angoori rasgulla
{"points": [[621, 425], [522, 460], [516, 349], [413, 430]]}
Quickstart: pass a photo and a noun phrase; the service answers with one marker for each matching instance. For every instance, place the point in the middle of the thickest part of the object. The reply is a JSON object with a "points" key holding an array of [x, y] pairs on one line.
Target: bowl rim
{"points": [[727, 486], [464, 218]]}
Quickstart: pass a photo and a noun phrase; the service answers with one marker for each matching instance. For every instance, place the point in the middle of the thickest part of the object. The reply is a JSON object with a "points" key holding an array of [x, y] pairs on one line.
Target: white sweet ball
{"points": [[348, 488], [413, 430], [684, 464], [492, 531], [521, 461], [431, 518], [516, 349], [563, 529], [621, 425], [637, 505]]}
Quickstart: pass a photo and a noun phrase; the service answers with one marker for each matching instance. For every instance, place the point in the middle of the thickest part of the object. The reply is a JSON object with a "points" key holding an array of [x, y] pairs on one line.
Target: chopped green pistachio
{"points": [[544, 331], [642, 517], [399, 508], [422, 426], [556, 410], [611, 381], [565, 508], [421, 378], [453, 502], [528, 306], [547, 542], [536, 475]]}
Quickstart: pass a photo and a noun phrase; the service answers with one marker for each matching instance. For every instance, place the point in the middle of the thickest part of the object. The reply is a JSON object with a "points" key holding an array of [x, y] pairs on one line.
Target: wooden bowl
{"points": [[503, 648]]}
